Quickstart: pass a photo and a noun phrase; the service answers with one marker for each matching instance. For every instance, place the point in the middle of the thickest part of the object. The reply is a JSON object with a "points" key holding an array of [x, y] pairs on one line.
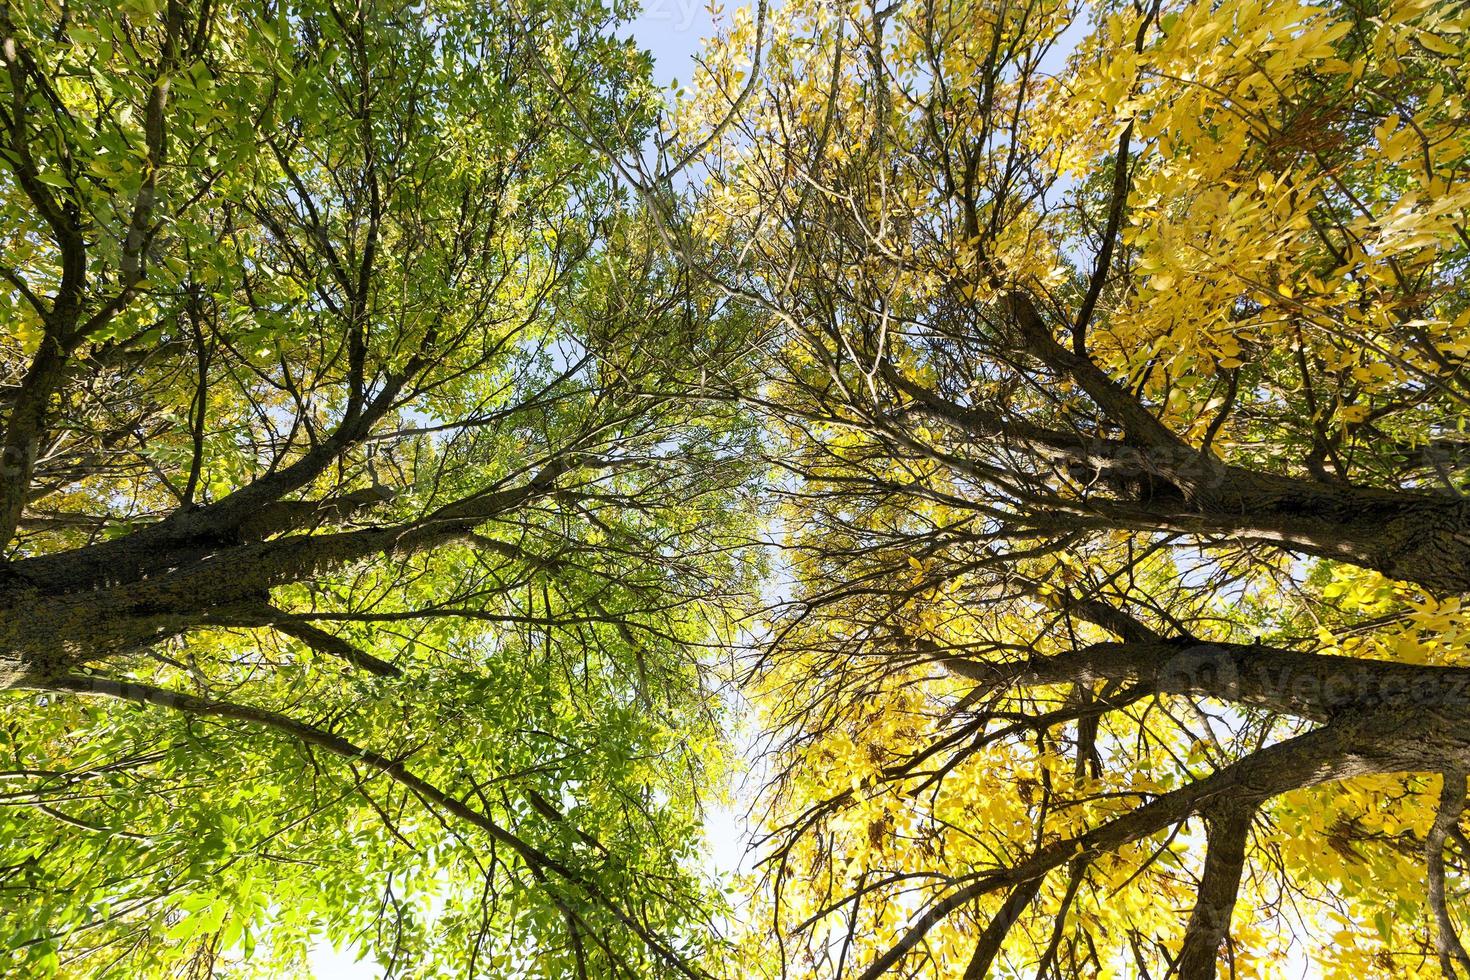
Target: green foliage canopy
{"points": [[361, 560]]}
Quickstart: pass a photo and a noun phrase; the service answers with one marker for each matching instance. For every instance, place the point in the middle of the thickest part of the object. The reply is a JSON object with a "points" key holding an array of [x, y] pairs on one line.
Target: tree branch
{"points": [[994, 936], [332, 645], [1324, 755], [1446, 940], [394, 769], [1307, 685], [1227, 829]]}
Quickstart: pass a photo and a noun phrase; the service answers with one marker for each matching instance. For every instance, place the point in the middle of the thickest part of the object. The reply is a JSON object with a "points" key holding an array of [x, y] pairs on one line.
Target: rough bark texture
{"points": [[1149, 479], [1451, 952], [1228, 829], [1408, 536], [988, 946], [71, 613], [1307, 685]]}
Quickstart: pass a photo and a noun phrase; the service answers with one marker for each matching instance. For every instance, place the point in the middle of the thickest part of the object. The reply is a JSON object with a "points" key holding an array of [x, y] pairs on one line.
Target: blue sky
{"points": [[672, 30]]}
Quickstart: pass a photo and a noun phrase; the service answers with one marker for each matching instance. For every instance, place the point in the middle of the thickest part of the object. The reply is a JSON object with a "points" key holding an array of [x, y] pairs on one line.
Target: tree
{"points": [[1121, 356], [361, 560]]}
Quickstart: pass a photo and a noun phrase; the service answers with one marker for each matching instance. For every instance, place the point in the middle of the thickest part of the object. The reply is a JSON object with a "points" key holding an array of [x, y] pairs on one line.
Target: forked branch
{"points": [[1446, 940]]}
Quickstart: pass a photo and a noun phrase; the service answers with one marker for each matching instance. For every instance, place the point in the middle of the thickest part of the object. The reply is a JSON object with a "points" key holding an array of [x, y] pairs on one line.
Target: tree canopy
{"points": [[1120, 355], [360, 558], [1054, 413]]}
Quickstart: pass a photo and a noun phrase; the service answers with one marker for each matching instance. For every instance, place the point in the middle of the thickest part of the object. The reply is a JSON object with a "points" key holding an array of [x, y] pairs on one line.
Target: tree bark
{"points": [[1307, 685], [1447, 945], [1155, 481], [1228, 829], [69, 619], [994, 936], [1167, 485], [1379, 743]]}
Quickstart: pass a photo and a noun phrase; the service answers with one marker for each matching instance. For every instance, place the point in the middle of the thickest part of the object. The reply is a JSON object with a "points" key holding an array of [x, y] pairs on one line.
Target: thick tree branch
{"points": [[1447, 943], [1325, 755], [1227, 828], [994, 936], [1307, 685], [1157, 482], [1143, 428], [285, 516], [1117, 203]]}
